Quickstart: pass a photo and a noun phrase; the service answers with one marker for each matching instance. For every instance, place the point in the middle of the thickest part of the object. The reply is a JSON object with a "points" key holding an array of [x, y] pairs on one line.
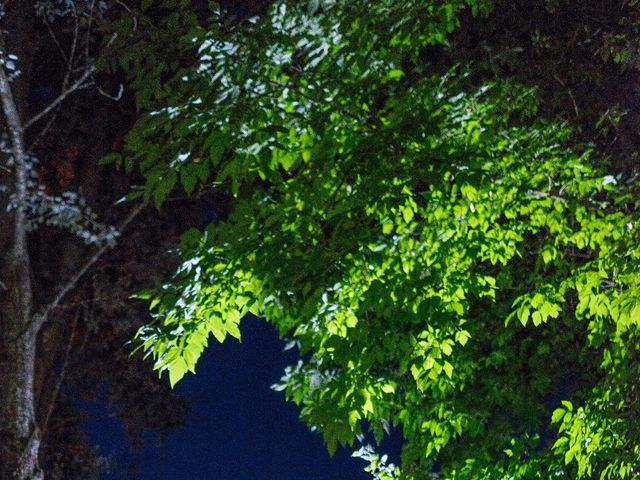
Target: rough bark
{"points": [[18, 427], [20, 435]]}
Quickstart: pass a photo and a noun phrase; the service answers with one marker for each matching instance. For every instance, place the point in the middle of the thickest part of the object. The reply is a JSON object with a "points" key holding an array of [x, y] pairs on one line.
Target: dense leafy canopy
{"points": [[443, 261]]}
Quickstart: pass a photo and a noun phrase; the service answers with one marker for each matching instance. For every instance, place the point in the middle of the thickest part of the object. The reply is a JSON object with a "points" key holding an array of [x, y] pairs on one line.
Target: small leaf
{"points": [[233, 330], [177, 369], [154, 303], [367, 407], [407, 214], [395, 74], [388, 388], [462, 337], [164, 187], [558, 414], [448, 369], [354, 416], [188, 179]]}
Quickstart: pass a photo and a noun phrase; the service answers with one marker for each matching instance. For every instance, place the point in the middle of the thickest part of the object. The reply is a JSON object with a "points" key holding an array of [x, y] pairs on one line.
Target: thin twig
{"points": [[55, 40], [72, 52], [65, 93], [539, 194], [133, 17], [44, 131], [40, 318], [115, 98], [69, 61], [575, 104], [84, 303], [56, 389], [87, 41]]}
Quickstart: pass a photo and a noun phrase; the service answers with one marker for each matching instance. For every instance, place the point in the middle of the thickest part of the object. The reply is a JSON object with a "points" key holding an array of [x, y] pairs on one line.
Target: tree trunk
{"points": [[23, 314], [19, 434]]}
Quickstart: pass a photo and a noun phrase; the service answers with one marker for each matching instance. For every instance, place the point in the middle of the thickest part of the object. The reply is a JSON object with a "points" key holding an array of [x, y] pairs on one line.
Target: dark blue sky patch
{"points": [[237, 427]]}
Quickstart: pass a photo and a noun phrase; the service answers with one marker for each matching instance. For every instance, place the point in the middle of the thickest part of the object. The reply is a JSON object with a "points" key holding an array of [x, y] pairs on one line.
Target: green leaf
{"points": [[354, 416], [567, 405], [448, 369], [217, 328], [407, 214], [154, 303], [462, 337], [188, 177], [395, 74], [164, 187], [177, 370], [558, 414], [388, 388]]}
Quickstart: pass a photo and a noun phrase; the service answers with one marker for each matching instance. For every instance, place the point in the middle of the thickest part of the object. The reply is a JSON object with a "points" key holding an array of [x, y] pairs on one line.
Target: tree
{"points": [[445, 262], [62, 320]]}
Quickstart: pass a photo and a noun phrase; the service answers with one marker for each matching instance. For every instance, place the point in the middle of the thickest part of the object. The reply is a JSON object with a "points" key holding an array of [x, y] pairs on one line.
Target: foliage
{"points": [[582, 58], [444, 262]]}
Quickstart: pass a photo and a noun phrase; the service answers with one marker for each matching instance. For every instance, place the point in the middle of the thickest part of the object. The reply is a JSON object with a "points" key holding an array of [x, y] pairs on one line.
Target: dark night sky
{"points": [[237, 427]]}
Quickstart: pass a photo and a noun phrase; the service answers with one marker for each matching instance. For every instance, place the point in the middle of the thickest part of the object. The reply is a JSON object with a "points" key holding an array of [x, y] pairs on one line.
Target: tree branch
{"points": [[44, 425], [575, 104], [72, 52], [40, 318], [65, 93], [539, 194], [55, 39], [44, 131]]}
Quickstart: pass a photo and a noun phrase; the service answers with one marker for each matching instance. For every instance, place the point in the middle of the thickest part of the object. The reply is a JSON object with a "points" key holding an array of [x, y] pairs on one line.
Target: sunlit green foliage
{"points": [[450, 266]]}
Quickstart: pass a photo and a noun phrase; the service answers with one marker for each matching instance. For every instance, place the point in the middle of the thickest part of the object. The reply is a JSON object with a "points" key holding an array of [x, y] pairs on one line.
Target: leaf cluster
{"points": [[445, 263]]}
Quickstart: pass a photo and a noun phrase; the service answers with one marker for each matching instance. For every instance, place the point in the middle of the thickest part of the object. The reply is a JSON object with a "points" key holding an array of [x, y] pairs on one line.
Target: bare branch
{"points": [[116, 97], [41, 317], [72, 53], [87, 41], [56, 389], [65, 93], [573, 100], [44, 130], [55, 39], [69, 60], [539, 194]]}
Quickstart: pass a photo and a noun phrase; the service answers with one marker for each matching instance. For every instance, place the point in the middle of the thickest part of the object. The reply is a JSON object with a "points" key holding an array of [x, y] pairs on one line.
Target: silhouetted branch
{"points": [[40, 318]]}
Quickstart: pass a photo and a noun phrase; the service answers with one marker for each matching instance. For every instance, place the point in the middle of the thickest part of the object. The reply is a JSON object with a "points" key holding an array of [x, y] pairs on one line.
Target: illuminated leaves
{"points": [[442, 267]]}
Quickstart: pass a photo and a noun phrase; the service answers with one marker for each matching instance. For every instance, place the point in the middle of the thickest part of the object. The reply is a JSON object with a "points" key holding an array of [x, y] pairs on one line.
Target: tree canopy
{"points": [[445, 258]]}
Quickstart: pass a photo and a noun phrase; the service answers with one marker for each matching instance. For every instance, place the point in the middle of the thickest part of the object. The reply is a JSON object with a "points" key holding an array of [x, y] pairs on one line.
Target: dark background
{"points": [[237, 428]]}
